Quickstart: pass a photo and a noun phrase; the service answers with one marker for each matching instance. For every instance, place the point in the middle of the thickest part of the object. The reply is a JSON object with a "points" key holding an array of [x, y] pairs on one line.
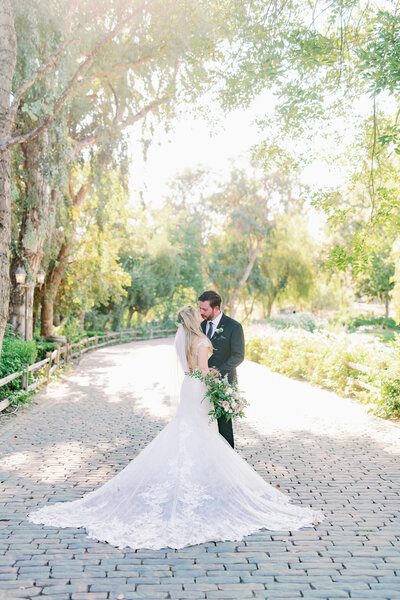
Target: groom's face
{"points": [[207, 312]]}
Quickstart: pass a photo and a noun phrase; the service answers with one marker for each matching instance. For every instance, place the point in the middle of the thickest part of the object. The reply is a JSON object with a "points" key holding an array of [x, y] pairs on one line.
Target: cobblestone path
{"points": [[321, 449]]}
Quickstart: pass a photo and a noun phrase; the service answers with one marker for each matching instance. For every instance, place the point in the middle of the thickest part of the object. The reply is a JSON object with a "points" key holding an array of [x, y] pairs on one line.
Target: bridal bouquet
{"points": [[225, 397]]}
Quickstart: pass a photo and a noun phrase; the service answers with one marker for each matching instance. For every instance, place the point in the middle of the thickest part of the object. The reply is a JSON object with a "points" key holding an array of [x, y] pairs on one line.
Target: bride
{"points": [[188, 486]]}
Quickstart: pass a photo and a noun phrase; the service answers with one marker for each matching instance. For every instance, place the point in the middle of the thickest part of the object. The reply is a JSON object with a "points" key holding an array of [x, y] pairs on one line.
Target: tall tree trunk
{"points": [[231, 304], [56, 274], [131, 310], [37, 223], [8, 55], [387, 300], [53, 280]]}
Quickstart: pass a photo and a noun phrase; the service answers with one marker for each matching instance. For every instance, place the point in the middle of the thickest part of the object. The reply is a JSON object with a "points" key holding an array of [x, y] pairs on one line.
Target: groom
{"points": [[227, 338]]}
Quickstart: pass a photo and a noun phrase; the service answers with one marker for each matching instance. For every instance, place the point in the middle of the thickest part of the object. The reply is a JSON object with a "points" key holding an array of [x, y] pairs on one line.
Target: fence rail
{"points": [[364, 369], [62, 354]]}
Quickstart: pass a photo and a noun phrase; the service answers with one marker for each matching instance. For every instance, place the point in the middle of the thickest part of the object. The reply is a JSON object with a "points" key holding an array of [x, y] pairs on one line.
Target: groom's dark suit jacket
{"points": [[228, 347]]}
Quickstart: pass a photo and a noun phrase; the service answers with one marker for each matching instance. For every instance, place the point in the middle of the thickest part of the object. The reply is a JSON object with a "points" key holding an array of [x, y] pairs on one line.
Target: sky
{"points": [[194, 142]]}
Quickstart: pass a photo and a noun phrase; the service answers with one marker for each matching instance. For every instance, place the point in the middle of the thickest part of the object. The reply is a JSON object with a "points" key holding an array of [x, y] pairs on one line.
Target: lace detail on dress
{"points": [[203, 343], [186, 487]]}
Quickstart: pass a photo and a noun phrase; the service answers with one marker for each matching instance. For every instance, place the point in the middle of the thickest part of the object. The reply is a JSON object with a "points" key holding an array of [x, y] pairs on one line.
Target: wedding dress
{"points": [[188, 486]]}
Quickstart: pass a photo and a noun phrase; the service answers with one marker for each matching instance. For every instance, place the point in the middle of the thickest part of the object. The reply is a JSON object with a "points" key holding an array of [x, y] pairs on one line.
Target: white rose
{"points": [[225, 405]]}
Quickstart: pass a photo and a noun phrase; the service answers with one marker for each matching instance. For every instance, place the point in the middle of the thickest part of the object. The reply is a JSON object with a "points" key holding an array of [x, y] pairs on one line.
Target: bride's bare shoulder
{"points": [[200, 342]]}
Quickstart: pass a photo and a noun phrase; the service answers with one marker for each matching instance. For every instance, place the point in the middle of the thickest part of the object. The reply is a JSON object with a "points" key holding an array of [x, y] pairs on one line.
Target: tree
{"points": [[154, 277], [286, 268], [246, 208], [79, 22], [93, 274], [124, 61], [376, 278], [8, 56]]}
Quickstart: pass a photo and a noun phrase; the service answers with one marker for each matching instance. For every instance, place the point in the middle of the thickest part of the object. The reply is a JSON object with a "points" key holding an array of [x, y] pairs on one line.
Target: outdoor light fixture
{"points": [[40, 276], [20, 275]]}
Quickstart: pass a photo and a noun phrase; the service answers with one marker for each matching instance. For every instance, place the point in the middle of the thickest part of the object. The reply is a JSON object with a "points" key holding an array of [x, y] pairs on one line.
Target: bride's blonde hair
{"points": [[188, 317]]}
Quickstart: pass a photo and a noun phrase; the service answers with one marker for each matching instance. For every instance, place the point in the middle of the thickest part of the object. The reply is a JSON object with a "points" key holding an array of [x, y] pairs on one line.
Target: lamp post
{"points": [[20, 277]]}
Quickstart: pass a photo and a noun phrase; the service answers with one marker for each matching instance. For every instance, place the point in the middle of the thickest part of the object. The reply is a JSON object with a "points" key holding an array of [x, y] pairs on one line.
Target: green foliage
{"points": [[365, 320], [18, 397], [15, 354], [396, 278], [43, 347], [379, 58], [224, 397], [154, 275], [285, 269], [301, 320], [323, 358], [319, 357], [72, 329], [375, 280], [388, 404]]}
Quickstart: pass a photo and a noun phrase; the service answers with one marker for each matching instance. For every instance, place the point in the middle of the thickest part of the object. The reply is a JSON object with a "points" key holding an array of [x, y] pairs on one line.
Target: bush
{"points": [[44, 347], [19, 397], [365, 320], [72, 329], [301, 320], [323, 358], [15, 353]]}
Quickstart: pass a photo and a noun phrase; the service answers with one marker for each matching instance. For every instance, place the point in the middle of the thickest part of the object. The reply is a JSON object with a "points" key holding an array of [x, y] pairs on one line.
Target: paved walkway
{"points": [[321, 449]]}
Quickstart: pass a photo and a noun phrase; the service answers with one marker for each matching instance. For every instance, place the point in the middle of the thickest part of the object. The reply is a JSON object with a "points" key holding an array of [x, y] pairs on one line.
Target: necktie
{"points": [[210, 329]]}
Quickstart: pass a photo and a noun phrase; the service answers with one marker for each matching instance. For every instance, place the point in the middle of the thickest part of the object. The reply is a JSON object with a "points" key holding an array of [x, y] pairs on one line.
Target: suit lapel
{"points": [[221, 324]]}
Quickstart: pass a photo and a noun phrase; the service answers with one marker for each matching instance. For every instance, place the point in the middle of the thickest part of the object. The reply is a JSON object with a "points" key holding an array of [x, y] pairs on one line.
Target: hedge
{"points": [[323, 358]]}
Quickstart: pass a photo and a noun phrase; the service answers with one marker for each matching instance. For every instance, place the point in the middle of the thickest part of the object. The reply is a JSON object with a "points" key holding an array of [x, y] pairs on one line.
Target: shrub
{"points": [[15, 353], [301, 320], [44, 347], [72, 329], [365, 320], [19, 397], [323, 358]]}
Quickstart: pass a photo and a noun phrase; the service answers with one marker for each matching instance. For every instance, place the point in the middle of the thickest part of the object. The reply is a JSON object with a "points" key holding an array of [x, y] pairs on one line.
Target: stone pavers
{"points": [[319, 448]]}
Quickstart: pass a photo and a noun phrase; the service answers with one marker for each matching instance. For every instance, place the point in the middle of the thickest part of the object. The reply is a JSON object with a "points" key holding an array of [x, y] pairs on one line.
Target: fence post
{"points": [[96, 340], [48, 366], [25, 377], [57, 356], [63, 352]]}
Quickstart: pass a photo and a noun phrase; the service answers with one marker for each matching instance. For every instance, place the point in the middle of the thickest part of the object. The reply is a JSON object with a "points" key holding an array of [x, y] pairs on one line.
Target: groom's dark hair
{"points": [[213, 298]]}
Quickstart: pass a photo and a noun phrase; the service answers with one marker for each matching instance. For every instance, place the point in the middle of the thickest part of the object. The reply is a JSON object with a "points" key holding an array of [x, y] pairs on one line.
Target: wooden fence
{"points": [[62, 354], [364, 369]]}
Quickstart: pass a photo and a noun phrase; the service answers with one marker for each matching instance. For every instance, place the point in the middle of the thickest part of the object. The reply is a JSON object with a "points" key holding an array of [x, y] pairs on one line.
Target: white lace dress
{"points": [[186, 487]]}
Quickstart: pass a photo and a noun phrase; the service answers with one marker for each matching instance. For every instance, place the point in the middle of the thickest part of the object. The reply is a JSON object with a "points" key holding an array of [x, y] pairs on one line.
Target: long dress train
{"points": [[186, 487]]}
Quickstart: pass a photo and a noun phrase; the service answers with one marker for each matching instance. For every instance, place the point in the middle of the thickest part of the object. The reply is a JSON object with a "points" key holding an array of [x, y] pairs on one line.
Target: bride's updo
{"points": [[188, 316]]}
